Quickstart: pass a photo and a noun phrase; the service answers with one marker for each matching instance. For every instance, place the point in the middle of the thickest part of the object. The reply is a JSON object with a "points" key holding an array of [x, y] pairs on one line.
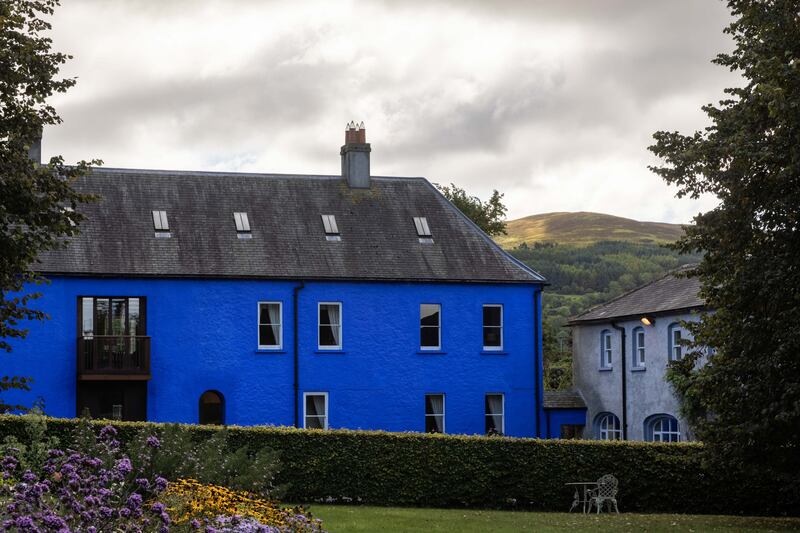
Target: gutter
{"points": [[296, 292], [624, 382]]}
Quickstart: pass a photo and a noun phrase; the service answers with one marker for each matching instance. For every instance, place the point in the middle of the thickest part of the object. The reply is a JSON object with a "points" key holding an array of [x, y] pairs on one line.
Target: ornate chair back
{"points": [[607, 486]]}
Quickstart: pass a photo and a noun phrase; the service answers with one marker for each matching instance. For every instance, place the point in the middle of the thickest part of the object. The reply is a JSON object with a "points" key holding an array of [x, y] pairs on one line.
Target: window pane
{"points": [[494, 413], [434, 404], [429, 314], [101, 310], [492, 336], [87, 316], [492, 315], [315, 422], [133, 316], [118, 316], [429, 337], [312, 405], [434, 424], [327, 336], [268, 335]]}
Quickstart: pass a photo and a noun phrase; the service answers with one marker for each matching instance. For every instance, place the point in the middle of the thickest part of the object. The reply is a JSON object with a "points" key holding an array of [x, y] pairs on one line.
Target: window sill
{"points": [[334, 351], [431, 352], [638, 369], [270, 350], [493, 352], [606, 369]]}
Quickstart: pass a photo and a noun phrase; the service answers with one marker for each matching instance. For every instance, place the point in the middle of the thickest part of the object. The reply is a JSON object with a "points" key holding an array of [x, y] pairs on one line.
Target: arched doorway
{"points": [[212, 408]]}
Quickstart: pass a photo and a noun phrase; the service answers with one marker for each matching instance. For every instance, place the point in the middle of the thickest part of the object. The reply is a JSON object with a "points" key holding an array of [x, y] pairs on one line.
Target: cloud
{"points": [[552, 102]]}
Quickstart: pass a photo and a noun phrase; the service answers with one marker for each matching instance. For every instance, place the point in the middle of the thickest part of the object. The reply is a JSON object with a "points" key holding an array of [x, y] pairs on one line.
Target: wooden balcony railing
{"points": [[114, 357]]}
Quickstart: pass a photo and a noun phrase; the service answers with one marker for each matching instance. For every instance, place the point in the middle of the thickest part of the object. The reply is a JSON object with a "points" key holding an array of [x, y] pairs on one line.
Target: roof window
{"points": [[161, 224], [331, 228], [242, 225], [423, 230]]}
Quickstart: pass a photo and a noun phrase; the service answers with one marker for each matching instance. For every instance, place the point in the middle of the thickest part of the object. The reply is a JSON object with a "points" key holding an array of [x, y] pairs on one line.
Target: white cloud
{"points": [[553, 105]]}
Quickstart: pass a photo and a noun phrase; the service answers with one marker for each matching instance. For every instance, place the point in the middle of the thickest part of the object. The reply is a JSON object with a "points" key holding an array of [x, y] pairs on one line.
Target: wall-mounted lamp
{"points": [[648, 320]]}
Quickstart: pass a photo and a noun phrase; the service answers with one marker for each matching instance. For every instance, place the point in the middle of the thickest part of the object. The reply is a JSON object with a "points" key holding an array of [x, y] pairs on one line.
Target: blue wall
{"points": [[204, 336], [556, 417]]}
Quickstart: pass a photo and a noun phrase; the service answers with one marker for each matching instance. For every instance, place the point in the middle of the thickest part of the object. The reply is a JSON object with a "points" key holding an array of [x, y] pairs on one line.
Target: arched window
{"points": [[605, 349], [674, 341], [607, 427], [212, 408], [662, 428], [637, 342]]}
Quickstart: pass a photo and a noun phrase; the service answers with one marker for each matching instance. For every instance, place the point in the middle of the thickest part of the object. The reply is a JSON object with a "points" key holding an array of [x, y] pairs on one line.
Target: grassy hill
{"points": [[583, 228]]}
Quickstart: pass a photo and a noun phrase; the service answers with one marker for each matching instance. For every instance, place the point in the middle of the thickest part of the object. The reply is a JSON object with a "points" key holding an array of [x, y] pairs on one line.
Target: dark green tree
{"points": [[489, 216], [744, 402], [37, 202]]}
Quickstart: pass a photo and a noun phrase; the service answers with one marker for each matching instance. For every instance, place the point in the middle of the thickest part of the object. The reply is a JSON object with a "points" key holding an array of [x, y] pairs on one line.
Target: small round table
{"points": [[582, 496]]}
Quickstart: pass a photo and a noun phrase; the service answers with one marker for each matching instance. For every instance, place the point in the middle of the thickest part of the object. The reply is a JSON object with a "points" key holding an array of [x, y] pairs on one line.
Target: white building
{"points": [[621, 350]]}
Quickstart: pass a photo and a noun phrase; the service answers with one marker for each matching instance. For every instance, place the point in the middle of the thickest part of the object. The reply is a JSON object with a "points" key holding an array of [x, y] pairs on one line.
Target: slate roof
{"points": [[378, 236], [563, 399], [668, 294]]}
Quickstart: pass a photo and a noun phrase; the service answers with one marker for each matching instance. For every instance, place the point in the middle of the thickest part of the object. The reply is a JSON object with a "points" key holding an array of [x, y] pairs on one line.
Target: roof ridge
{"points": [[215, 173]]}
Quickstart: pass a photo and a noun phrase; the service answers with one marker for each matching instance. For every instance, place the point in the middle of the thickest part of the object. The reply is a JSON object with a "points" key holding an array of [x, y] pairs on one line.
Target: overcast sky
{"points": [[552, 102]]}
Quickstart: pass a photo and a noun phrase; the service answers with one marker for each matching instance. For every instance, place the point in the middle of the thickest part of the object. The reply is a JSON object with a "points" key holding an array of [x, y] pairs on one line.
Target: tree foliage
{"points": [[489, 216], [745, 401], [37, 202]]}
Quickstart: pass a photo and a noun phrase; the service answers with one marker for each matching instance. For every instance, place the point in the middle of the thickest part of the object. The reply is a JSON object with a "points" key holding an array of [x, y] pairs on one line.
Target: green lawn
{"points": [[343, 519]]}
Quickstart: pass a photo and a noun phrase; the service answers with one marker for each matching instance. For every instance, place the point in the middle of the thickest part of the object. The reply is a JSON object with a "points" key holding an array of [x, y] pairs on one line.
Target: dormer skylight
{"points": [[331, 228], [242, 225], [423, 230], [161, 225]]}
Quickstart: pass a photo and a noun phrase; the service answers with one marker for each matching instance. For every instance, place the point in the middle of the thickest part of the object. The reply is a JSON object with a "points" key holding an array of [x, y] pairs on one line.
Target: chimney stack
{"points": [[35, 150], [355, 156]]}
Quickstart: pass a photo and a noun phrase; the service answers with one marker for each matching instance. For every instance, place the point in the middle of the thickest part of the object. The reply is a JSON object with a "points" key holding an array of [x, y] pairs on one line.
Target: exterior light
{"points": [[648, 320]]}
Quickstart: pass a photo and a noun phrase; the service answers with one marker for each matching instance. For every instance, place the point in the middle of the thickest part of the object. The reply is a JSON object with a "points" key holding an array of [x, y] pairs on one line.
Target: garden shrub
{"points": [[416, 469]]}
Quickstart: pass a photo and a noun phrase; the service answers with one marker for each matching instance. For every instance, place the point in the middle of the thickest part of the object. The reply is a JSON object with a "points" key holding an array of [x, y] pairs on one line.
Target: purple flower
{"points": [[161, 483], [143, 483], [108, 431], [124, 466], [134, 501], [195, 523], [153, 441]]}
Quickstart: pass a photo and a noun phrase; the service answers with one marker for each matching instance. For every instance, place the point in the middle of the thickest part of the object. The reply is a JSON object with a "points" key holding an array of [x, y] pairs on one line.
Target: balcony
{"points": [[106, 357]]}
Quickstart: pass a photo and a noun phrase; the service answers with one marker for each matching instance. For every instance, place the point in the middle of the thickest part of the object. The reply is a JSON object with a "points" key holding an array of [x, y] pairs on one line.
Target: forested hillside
{"points": [[583, 274]]}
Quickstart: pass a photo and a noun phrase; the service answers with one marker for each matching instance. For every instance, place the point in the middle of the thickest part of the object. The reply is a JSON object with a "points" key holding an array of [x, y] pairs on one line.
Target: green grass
{"points": [[344, 519]]}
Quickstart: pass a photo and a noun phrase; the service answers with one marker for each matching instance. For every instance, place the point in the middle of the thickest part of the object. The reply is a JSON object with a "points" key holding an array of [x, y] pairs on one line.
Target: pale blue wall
{"points": [[204, 336]]}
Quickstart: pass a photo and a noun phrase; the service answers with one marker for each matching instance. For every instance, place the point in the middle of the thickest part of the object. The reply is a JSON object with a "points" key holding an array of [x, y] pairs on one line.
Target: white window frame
{"points": [[438, 346], [422, 227], [604, 431], [484, 326], [278, 346], [639, 352], [242, 221], [325, 419], [341, 327], [673, 346], [606, 350], [160, 220], [444, 410], [502, 410], [658, 422]]}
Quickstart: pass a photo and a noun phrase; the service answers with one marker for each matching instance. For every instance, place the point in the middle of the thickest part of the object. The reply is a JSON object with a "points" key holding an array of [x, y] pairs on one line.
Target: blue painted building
{"points": [[349, 301]]}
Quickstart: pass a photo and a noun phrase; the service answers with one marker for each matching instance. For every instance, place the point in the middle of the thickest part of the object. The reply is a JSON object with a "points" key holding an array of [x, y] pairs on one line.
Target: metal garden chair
{"points": [[605, 493]]}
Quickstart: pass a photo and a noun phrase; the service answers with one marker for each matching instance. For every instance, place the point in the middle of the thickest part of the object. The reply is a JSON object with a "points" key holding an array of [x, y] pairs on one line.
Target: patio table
{"points": [[582, 491]]}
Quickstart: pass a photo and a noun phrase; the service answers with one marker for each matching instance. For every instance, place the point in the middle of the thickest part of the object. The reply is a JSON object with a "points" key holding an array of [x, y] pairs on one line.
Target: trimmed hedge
{"points": [[412, 469]]}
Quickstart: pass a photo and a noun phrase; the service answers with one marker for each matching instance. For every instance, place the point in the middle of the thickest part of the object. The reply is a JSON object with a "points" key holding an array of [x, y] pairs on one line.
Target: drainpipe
{"points": [[538, 358], [295, 337], [624, 382]]}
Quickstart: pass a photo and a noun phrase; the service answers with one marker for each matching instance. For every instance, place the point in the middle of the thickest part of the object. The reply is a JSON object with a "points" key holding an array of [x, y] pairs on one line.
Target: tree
{"points": [[744, 402], [37, 202], [489, 216]]}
